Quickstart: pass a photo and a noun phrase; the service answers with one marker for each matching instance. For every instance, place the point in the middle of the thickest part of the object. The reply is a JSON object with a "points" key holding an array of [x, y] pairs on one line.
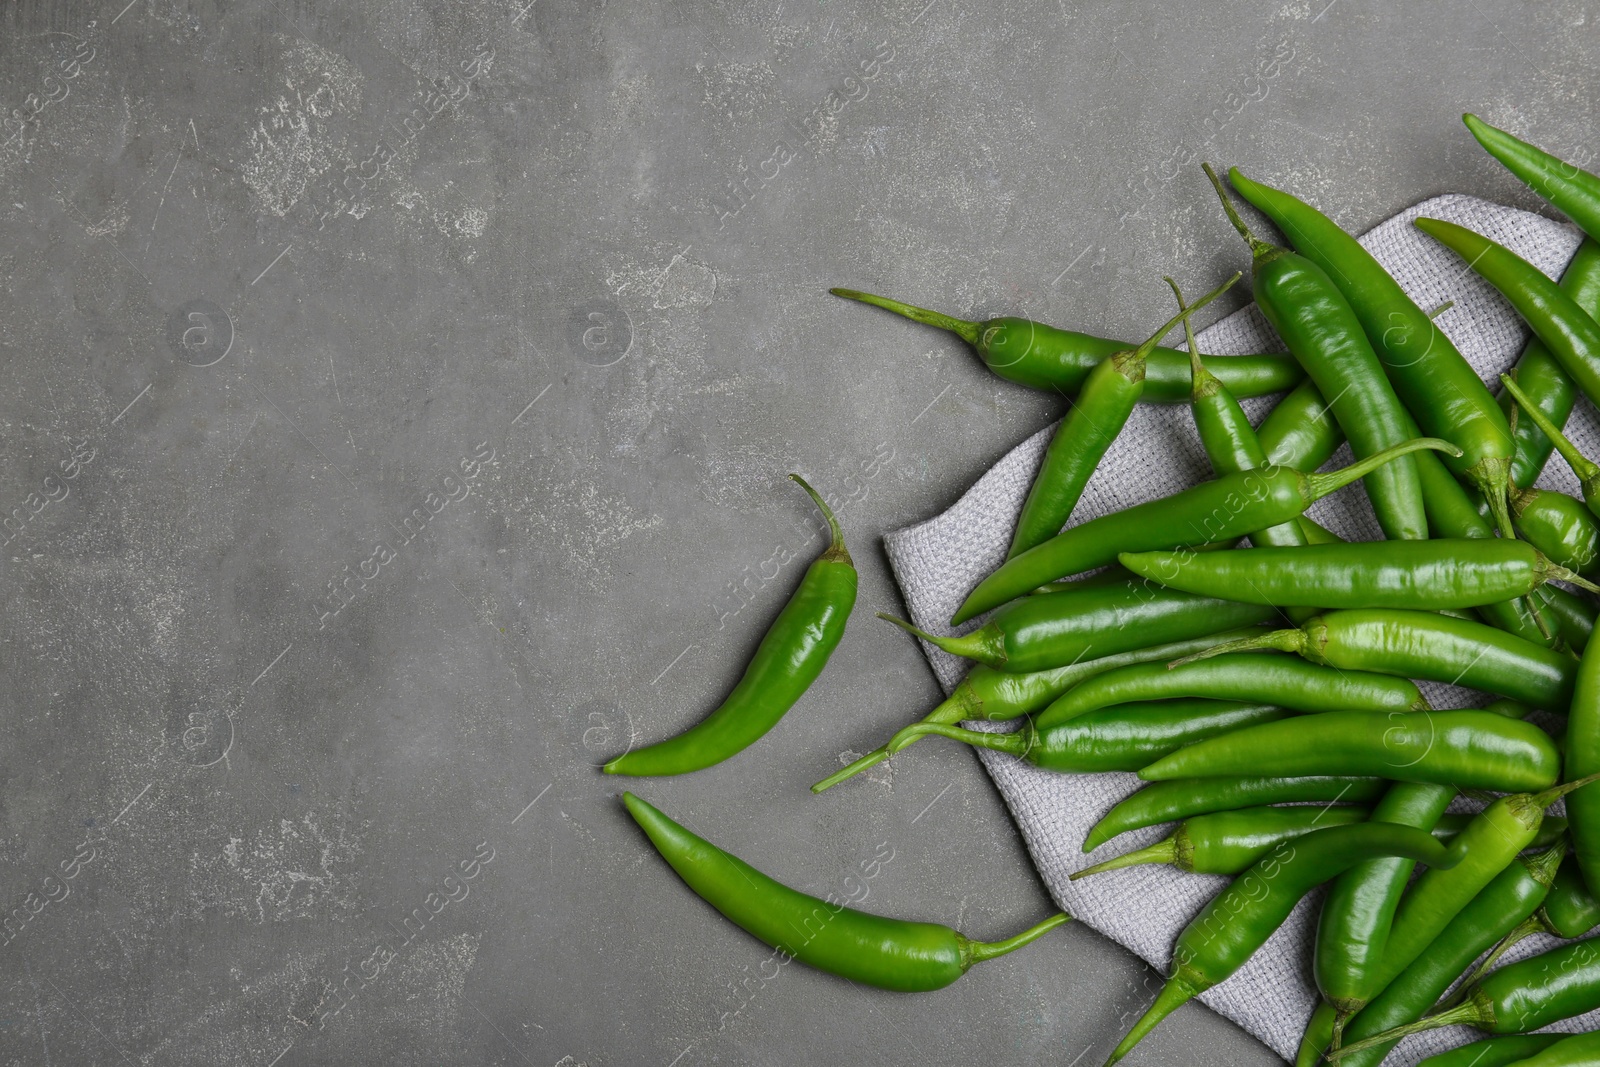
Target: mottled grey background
{"points": [[396, 404]]}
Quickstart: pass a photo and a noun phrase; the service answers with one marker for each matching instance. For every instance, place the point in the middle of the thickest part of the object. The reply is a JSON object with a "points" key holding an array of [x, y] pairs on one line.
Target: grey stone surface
{"points": [[388, 432]]}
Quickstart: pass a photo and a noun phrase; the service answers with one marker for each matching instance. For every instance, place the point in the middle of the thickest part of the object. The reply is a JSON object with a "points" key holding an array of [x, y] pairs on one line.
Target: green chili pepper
{"points": [[1574, 192], [870, 949], [1557, 525], [1573, 1050], [1582, 760], [1300, 431], [1500, 907], [1227, 932], [986, 693], [1421, 644], [1323, 333], [1123, 738], [1468, 749], [1572, 337], [1051, 629], [1573, 616], [1494, 1051], [1168, 801], [1231, 506], [791, 655], [1548, 387], [1429, 375], [1267, 678], [1420, 575], [1104, 403], [1570, 910], [1586, 470], [1227, 842], [1044, 357], [1527, 995]]}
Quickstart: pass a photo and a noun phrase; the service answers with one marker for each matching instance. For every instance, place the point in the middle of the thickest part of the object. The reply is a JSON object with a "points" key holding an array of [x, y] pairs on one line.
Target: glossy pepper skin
{"points": [[986, 693], [869, 949], [1566, 330], [1432, 379], [1582, 760], [790, 657], [1323, 333], [1238, 921], [1168, 801], [1573, 1050], [1494, 1051], [1424, 645], [1052, 629], [1104, 403], [1558, 526], [1586, 470], [1230, 506], [1549, 388], [1570, 910], [1414, 575], [1268, 678], [1058, 361], [1573, 191], [1227, 842], [1466, 749], [1502, 905], [1300, 430], [1124, 738]]}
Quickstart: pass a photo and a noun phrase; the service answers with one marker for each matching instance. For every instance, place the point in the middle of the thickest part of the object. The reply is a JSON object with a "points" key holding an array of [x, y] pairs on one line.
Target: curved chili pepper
{"points": [[1549, 388], [1124, 738], [1571, 336], [1574, 192], [1323, 333], [1226, 842], [1162, 802], [1421, 644], [986, 693], [1268, 678], [1044, 357], [1418, 575], [870, 949], [1499, 908], [1467, 749], [1227, 932], [1586, 470], [1494, 1052], [1570, 911], [791, 655], [1527, 995], [1430, 376], [1230, 506], [1051, 629], [1104, 403]]}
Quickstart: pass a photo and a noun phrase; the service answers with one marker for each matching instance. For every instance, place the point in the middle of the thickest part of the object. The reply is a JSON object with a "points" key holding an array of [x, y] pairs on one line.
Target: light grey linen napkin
{"points": [[937, 563]]}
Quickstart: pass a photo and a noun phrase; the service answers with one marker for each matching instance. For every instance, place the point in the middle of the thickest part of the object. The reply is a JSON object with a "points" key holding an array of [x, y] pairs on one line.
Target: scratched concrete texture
{"points": [[397, 398]]}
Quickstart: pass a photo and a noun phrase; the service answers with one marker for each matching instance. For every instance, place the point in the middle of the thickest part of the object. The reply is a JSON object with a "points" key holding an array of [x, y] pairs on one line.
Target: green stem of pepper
{"points": [[1587, 470]]}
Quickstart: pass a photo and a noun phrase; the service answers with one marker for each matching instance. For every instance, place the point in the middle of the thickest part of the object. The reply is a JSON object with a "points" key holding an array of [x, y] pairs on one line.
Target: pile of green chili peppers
{"points": [[1259, 672]]}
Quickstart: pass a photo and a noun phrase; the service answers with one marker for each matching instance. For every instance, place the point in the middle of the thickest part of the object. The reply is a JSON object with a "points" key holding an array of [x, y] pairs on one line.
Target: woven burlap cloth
{"points": [[938, 561]]}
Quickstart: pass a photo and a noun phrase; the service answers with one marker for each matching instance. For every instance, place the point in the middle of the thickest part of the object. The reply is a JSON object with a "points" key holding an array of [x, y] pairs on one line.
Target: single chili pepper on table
{"points": [[1527, 995], [1549, 389], [1162, 802], [1500, 907], [790, 657], [1494, 1052], [870, 949], [987, 693], [1267, 678], [1467, 749], [1230, 506], [1123, 738], [1571, 190], [1238, 921], [1323, 333], [1105, 401], [1424, 645], [1429, 375], [1044, 357], [1227, 842], [1416, 575]]}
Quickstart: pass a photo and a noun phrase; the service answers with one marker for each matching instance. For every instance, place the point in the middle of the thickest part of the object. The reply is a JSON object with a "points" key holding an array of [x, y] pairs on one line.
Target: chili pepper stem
{"points": [[983, 644], [967, 331], [1163, 851], [1341, 1017], [1016, 743], [978, 951], [1465, 1013], [962, 703], [1260, 250], [1174, 995], [1280, 640], [835, 550], [1323, 484], [1202, 383], [1561, 574], [1138, 355], [1587, 470]]}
